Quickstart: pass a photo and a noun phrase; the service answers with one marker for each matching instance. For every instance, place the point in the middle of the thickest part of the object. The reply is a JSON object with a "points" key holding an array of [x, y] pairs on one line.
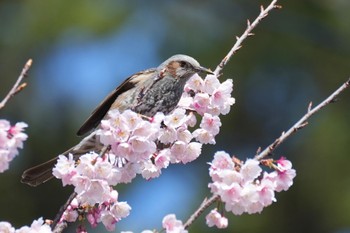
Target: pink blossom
{"points": [[147, 129], [266, 191], [16, 135], [249, 198], [211, 123], [195, 83], [108, 220], [191, 120], [176, 119], [222, 160], [11, 138], [132, 119], [211, 82], [86, 165], [5, 160], [65, 169], [120, 210], [235, 207], [163, 158], [214, 218], [230, 193], [182, 152], [128, 172], [201, 102], [193, 150], [149, 170], [285, 179], [6, 227], [172, 225], [95, 191], [102, 168], [177, 151], [221, 97], [250, 170], [185, 101], [167, 135], [38, 226], [122, 150], [203, 136], [284, 164], [184, 135], [228, 176], [70, 215], [141, 145]]}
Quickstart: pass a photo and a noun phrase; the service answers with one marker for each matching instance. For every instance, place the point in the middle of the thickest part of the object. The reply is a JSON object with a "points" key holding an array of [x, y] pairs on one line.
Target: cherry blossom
{"points": [[172, 225], [11, 139], [38, 226], [214, 218], [244, 186]]}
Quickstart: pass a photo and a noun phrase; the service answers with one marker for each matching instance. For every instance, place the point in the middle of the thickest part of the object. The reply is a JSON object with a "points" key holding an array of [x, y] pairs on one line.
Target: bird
{"points": [[146, 93]]}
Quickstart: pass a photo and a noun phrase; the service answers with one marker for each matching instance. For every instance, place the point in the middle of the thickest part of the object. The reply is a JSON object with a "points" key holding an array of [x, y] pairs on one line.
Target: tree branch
{"points": [[18, 86], [302, 122], [246, 34]]}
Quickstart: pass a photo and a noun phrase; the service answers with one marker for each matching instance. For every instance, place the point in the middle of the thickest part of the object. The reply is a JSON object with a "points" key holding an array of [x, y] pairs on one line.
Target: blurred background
{"points": [[83, 49]]}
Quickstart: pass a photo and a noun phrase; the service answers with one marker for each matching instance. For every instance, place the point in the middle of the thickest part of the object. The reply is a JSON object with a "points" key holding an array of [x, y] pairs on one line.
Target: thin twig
{"points": [[57, 225], [245, 35], [205, 204], [18, 86], [302, 122]]}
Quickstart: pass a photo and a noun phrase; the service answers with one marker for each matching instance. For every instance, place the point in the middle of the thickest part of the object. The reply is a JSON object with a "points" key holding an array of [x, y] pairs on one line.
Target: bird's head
{"points": [[182, 67]]}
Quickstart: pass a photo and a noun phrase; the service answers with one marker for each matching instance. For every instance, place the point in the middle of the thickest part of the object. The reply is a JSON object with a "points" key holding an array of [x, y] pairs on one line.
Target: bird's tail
{"points": [[43, 172], [39, 174]]}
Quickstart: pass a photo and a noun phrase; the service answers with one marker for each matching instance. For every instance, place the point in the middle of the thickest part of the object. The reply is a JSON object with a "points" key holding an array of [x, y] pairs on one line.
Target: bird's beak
{"points": [[204, 70]]}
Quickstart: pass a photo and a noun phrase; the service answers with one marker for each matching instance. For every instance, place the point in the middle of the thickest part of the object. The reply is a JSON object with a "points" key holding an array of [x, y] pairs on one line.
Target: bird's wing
{"points": [[98, 114]]}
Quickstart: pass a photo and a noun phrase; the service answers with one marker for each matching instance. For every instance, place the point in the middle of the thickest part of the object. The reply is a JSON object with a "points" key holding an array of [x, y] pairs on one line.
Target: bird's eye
{"points": [[183, 64]]}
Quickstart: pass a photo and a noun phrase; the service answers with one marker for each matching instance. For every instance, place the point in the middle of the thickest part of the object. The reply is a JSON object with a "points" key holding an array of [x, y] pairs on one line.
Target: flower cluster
{"points": [[208, 95], [245, 187], [172, 225], [141, 145], [147, 146], [214, 218], [92, 177], [11, 138], [38, 226], [209, 98]]}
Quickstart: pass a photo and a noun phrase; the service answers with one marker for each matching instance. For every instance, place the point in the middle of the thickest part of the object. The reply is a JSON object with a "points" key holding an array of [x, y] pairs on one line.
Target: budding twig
{"points": [[18, 86], [303, 121], [247, 33]]}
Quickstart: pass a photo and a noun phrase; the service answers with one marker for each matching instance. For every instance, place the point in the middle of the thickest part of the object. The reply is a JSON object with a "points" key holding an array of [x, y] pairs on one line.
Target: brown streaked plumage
{"points": [[146, 92]]}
